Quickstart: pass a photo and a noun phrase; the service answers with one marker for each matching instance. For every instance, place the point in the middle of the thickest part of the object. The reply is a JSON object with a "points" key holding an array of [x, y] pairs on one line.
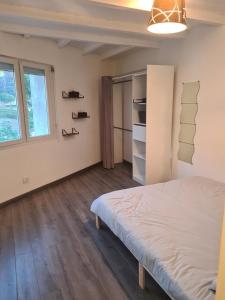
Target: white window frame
{"points": [[21, 101]]}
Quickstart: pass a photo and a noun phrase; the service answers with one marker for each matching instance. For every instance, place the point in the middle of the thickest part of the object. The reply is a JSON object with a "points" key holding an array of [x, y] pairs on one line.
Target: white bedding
{"points": [[173, 229]]}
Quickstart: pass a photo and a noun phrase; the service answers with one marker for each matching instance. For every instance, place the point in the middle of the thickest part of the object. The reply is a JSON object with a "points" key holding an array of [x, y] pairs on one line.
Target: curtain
{"points": [[106, 112]]}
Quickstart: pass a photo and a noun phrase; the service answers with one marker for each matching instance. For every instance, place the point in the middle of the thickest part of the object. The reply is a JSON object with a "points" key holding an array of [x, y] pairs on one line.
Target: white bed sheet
{"points": [[173, 229]]}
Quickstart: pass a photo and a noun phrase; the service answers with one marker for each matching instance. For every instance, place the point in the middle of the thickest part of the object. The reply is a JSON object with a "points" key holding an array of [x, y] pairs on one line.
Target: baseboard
{"points": [[17, 198]]}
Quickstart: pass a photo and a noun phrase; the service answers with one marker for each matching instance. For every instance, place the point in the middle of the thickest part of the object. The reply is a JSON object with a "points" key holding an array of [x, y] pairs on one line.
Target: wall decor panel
{"points": [[188, 121]]}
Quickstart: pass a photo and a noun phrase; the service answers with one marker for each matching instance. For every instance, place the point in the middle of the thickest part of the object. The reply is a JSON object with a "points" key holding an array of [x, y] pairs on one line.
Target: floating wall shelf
{"points": [[72, 132], [76, 117], [72, 95]]}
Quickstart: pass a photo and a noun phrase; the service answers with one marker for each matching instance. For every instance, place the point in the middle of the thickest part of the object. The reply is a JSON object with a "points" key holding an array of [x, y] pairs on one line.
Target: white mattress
{"points": [[173, 229]]}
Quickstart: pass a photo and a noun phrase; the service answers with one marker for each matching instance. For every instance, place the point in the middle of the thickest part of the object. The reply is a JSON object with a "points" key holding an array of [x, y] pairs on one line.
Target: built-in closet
{"points": [[142, 122]]}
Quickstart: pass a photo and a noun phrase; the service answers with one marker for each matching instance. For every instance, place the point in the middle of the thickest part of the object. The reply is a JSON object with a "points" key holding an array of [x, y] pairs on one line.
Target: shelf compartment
{"points": [[139, 178], [139, 170], [139, 133], [75, 117]]}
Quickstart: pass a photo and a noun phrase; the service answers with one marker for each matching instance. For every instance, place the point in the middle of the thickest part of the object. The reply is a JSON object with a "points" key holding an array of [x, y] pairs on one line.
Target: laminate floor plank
{"points": [[8, 284], [51, 250]]}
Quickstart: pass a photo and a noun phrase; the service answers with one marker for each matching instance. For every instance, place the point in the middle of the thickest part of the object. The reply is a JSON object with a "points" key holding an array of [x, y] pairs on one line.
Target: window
{"points": [[26, 101]]}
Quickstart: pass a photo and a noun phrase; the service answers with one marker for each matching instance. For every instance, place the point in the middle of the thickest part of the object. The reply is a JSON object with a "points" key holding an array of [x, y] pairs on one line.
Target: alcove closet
{"points": [[142, 122]]}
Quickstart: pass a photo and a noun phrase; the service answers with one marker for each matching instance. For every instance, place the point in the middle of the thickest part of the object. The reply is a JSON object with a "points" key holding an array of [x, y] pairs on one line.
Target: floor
{"points": [[50, 249]]}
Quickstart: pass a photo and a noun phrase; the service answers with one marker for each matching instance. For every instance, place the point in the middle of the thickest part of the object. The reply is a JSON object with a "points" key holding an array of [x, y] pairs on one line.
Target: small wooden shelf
{"points": [[75, 117], [73, 131], [66, 96]]}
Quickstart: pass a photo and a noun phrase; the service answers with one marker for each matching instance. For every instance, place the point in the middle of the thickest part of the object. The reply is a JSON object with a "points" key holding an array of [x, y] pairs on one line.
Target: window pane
{"points": [[36, 102], [9, 112]]}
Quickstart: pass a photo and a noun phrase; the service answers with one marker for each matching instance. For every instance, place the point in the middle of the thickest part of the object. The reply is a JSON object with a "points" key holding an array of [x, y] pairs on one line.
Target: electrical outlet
{"points": [[25, 180]]}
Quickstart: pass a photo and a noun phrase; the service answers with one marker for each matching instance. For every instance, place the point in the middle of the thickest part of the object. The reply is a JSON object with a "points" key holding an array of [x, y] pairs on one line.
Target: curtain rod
{"points": [[136, 73]]}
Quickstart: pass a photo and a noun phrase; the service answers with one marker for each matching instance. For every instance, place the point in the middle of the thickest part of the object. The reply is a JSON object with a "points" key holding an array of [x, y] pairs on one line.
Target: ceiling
{"points": [[104, 27]]}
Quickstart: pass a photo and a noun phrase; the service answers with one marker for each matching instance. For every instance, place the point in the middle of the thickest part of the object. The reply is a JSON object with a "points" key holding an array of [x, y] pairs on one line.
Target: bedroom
{"points": [[44, 212]]}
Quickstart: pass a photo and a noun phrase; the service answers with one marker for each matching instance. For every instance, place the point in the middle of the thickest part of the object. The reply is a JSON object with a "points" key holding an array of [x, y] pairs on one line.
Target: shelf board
{"points": [[140, 103], [140, 124], [139, 155], [135, 140], [139, 178]]}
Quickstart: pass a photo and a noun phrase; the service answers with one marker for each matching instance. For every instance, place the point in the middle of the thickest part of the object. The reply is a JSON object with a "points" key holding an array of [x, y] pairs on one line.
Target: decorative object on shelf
{"points": [[139, 101], [72, 132], [168, 16], [80, 115], [188, 121], [72, 95]]}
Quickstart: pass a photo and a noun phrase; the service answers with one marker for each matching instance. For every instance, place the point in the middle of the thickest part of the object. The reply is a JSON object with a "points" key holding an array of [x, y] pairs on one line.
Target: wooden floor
{"points": [[50, 249]]}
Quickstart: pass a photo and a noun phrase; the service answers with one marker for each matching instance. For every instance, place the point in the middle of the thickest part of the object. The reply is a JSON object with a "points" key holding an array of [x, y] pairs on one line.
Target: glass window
{"points": [[36, 102], [9, 111], [26, 101]]}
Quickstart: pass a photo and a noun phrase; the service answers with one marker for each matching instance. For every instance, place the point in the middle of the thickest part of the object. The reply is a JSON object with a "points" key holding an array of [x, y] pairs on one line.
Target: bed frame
{"points": [[220, 294], [141, 269], [220, 290]]}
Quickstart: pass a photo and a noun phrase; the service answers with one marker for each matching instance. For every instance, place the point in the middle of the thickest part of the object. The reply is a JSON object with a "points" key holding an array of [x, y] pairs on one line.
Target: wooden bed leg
{"points": [[97, 222], [220, 286], [141, 276]]}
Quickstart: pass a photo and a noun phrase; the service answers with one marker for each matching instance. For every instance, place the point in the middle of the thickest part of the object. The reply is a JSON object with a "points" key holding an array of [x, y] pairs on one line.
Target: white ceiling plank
{"points": [[37, 17], [193, 11], [92, 48], [145, 5], [115, 51], [204, 16], [63, 43], [78, 36], [29, 14]]}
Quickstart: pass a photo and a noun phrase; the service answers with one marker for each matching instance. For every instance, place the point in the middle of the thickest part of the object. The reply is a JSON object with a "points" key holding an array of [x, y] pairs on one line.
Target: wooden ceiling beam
{"points": [[63, 43], [115, 51], [92, 48], [77, 35], [35, 15]]}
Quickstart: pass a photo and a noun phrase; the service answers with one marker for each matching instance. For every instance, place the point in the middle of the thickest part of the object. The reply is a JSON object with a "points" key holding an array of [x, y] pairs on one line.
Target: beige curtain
{"points": [[106, 109]]}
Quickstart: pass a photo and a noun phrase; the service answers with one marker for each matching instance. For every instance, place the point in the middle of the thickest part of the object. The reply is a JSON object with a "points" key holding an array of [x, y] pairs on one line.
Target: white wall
{"points": [[44, 162], [200, 56]]}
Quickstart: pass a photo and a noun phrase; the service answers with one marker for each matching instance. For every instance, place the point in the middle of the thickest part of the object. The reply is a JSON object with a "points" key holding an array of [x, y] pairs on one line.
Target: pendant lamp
{"points": [[167, 17]]}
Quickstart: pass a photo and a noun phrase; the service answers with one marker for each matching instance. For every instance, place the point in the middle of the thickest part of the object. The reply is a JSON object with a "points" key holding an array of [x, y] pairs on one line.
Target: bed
{"points": [[173, 229]]}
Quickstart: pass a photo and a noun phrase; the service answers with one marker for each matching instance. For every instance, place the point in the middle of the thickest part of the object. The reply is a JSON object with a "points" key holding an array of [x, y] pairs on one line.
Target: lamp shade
{"points": [[168, 16]]}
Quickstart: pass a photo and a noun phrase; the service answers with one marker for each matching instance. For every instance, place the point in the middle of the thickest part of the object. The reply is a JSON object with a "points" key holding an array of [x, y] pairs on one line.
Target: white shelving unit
{"points": [[151, 93], [139, 82], [152, 96]]}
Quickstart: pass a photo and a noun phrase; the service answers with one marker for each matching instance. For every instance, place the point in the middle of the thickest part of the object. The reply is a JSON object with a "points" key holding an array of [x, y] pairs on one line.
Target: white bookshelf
{"points": [[152, 96], [139, 82]]}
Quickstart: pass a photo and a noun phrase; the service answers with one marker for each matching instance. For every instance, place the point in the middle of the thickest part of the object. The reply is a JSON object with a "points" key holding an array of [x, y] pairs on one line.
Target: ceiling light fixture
{"points": [[168, 16]]}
